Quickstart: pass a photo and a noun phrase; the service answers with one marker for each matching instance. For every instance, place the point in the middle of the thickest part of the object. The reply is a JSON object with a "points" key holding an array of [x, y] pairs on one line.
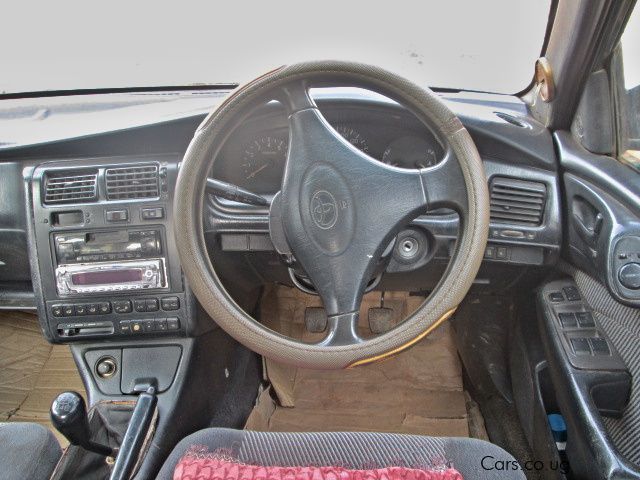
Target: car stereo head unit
{"points": [[83, 247], [110, 261], [110, 276]]}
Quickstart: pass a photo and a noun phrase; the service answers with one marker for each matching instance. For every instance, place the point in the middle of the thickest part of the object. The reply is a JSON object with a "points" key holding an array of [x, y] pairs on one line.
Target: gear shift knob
{"points": [[69, 416]]}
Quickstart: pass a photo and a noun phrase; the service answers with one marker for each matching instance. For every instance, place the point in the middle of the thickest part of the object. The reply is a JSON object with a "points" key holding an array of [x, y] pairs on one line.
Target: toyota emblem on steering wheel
{"points": [[324, 209]]}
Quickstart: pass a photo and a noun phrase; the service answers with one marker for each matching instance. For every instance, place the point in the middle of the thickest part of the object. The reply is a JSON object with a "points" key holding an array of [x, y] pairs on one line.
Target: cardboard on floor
{"points": [[419, 391]]}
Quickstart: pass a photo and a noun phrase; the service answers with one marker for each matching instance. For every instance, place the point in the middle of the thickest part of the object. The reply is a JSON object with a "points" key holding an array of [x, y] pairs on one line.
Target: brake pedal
{"points": [[315, 319], [380, 319]]}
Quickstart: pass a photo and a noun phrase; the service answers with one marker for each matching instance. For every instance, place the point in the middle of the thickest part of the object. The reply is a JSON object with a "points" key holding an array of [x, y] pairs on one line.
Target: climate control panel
{"points": [[118, 316]]}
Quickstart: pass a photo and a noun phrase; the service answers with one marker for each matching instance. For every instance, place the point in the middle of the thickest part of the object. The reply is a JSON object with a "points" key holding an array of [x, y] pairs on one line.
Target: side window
{"points": [[626, 65]]}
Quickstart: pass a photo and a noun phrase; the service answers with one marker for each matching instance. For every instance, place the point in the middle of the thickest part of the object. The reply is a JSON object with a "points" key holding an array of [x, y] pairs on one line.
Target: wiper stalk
{"points": [[235, 193]]}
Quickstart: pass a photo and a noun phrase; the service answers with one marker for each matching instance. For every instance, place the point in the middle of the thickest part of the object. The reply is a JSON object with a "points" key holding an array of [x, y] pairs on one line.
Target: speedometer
{"points": [[352, 136], [263, 161]]}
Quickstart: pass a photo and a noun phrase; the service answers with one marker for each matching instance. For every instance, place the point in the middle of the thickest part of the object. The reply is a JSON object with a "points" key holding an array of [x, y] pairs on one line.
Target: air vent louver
{"points": [[132, 182], [70, 186], [517, 202]]}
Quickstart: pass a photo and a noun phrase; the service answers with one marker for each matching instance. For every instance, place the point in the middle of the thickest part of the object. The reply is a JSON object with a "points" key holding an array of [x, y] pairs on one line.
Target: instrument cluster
{"points": [[254, 156]]}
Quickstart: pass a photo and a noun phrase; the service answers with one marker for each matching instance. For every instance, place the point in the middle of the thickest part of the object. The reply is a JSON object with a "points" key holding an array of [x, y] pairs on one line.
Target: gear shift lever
{"points": [[69, 416]]}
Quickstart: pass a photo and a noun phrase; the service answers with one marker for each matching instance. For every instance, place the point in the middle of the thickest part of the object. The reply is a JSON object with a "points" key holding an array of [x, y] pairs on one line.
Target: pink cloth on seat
{"points": [[198, 467]]}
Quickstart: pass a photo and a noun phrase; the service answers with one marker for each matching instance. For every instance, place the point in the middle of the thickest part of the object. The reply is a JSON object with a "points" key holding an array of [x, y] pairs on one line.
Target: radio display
{"points": [[107, 277]]}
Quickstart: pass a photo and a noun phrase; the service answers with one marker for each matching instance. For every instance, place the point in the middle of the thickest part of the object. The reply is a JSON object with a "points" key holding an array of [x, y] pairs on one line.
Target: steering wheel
{"points": [[337, 211]]}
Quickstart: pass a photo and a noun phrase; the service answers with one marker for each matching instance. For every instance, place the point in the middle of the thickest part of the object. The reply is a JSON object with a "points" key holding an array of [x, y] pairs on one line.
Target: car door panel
{"points": [[602, 212]]}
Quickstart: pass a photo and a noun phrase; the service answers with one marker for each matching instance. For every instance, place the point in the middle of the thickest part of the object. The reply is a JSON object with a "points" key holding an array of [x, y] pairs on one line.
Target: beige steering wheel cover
{"points": [[188, 220]]}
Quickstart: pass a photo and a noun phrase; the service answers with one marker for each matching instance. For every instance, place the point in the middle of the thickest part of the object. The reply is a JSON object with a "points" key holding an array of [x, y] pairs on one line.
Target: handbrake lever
{"points": [[136, 432]]}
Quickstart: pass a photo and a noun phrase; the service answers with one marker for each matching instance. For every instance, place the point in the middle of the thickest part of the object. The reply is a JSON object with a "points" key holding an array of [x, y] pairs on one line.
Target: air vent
{"points": [[132, 182], [70, 186], [517, 202]]}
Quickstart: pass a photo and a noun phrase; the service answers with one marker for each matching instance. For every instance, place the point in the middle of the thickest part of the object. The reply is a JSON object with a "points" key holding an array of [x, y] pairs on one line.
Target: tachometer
{"points": [[411, 152], [263, 162], [352, 136]]}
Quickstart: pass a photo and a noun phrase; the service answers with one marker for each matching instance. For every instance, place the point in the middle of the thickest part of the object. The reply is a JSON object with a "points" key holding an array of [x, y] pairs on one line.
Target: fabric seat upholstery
{"points": [[27, 450], [348, 450]]}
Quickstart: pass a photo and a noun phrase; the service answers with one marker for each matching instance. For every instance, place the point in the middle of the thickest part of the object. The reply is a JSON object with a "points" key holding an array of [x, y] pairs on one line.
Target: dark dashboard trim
{"points": [[102, 91], [605, 172]]}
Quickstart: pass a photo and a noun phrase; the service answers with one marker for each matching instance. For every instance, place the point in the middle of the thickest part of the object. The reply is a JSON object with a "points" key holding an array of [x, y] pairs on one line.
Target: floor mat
{"points": [[419, 391], [32, 371]]}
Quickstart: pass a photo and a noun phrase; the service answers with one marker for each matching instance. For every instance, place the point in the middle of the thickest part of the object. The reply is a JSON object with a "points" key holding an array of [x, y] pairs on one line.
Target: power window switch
{"points": [[600, 346], [556, 297], [585, 320], [580, 346], [572, 293], [567, 320]]}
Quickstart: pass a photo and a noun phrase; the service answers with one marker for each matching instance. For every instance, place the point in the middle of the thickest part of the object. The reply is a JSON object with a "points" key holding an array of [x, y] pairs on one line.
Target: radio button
{"points": [[152, 305], [122, 306], [173, 323], [81, 310], [92, 309], [170, 303], [68, 310], [140, 305], [124, 326], [104, 308], [149, 325]]}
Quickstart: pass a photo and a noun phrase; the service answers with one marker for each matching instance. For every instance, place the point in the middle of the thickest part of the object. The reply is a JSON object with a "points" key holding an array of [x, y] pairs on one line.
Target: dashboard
{"points": [[129, 146]]}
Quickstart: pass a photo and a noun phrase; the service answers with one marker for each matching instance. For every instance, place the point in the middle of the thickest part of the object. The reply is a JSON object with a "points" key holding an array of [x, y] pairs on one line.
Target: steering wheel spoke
{"points": [[342, 330], [445, 186], [295, 97]]}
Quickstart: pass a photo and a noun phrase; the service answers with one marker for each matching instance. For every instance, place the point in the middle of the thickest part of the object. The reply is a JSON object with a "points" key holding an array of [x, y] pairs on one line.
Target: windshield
{"points": [[475, 45]]}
